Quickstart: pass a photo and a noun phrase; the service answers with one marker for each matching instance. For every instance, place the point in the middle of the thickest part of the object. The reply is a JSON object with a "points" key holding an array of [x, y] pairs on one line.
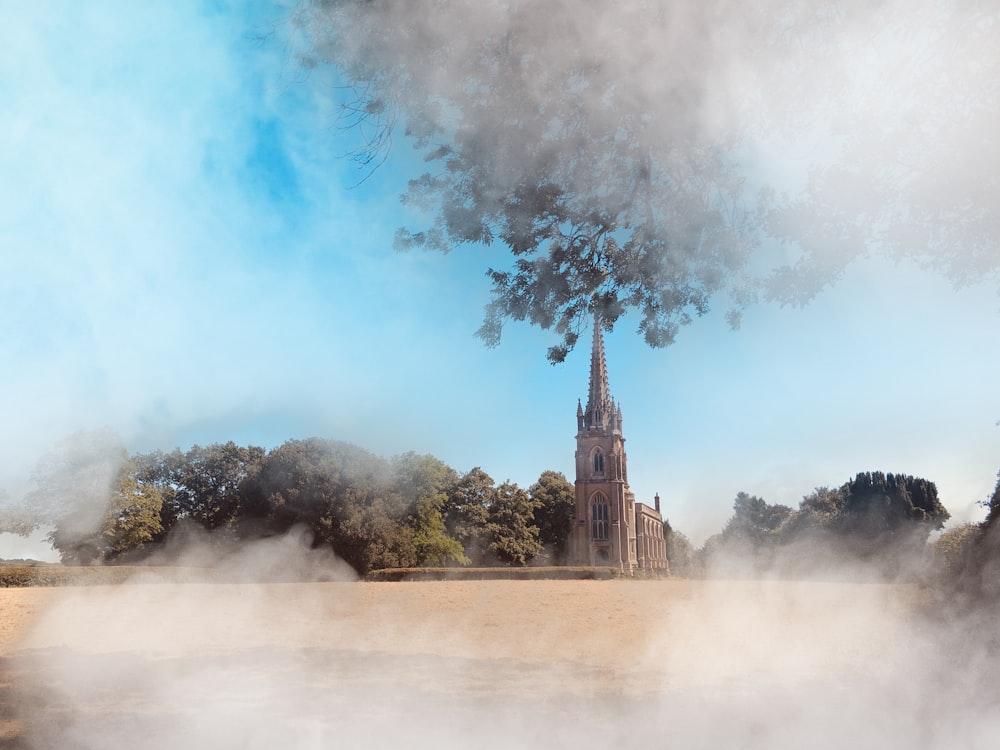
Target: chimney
{"points": [[656, 499]]}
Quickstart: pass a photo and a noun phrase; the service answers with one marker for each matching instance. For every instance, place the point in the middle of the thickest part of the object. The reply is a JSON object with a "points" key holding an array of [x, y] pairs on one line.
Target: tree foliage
{"points": [[208, 481], [881, 510], [74, 484], [73, 481], [132, 518], [341, 492], [747, 542], [978, 574], [993, 506], [607, 202], [103, 506], [466, 512], [14, 517], [115, 522], [606, 146], [555, 501], [423, 481], [951, 555], [876, 522], [513, 537], [909, 105], [754, 521], [431, 542], [681, 554]]}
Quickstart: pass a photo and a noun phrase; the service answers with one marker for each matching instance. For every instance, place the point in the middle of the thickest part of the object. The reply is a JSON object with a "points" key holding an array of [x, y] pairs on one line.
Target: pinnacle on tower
{"points": [[601, 409]]}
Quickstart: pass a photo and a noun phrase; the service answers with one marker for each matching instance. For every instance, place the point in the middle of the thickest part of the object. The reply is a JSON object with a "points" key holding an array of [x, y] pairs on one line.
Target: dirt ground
{"points": [[487, 664]]}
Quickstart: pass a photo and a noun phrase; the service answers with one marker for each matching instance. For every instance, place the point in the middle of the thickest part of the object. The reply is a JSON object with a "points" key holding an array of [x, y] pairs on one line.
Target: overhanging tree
{"points": [[605, 145], [907, 118], [607, 202]]}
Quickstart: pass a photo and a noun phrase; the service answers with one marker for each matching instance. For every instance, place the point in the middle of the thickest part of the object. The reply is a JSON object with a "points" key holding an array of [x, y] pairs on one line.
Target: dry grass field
{"points": [[553, 664]]}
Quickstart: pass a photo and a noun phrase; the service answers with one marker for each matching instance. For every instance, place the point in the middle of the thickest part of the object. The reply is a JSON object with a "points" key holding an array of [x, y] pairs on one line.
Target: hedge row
{"points": [[565, 573], [58, 575], [107, 575]]}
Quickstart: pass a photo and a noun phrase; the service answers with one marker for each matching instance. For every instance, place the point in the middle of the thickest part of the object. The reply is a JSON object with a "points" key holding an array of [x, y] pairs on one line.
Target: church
{"points": [[610, 528]]}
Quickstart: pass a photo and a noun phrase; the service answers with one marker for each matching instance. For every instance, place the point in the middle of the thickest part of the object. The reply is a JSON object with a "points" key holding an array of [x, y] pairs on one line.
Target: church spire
{"points": [[601, 410], [600, 393]]}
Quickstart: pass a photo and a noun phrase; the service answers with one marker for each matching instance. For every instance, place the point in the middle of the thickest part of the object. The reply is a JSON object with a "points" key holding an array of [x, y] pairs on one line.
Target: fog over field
{"points": [[495, 664]]}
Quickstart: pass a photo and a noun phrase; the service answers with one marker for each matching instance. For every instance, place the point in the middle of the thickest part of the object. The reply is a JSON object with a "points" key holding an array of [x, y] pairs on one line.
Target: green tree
{"points": [[416, 476], [817, 515], [993, 506], [465, 512], [555, 501], [754, 522], [513, 537], [887, 518], [343, 493], [132, 519], [875, 522], [431, 541], [979, 576], [155, 468], [746, 546], [74, 483], [129, 521], [14, 517], [370, 536], [680, 552], [208, 481], [423, 482]]}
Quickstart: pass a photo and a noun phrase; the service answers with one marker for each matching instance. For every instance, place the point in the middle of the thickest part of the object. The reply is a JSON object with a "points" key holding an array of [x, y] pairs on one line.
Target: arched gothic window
{"points": [[598, 462], [599, 518]]}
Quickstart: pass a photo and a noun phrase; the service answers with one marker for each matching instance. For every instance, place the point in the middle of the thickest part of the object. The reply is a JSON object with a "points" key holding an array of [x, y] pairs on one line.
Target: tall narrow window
{"points": [[599, 518], [598, 462]]}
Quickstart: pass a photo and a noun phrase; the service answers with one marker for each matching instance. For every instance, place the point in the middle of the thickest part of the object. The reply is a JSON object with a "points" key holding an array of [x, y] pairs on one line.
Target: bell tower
{"points": [[604, 527]]}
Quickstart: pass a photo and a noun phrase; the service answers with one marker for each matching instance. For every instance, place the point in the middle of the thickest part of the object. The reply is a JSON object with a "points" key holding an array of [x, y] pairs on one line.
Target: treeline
{"points": [[874, 525], [104, 505]]}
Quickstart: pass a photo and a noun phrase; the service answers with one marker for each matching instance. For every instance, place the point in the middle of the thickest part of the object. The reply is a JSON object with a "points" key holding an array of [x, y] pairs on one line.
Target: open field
{"points": [[488, 664]]}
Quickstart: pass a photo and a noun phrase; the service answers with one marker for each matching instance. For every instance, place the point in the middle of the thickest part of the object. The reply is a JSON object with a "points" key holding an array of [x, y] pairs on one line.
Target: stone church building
{"points": [[610, 527]]}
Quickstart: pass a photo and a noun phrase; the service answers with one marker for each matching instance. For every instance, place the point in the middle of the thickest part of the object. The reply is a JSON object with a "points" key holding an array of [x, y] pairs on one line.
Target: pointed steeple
{"points": [[599, 391], [601, 410]]}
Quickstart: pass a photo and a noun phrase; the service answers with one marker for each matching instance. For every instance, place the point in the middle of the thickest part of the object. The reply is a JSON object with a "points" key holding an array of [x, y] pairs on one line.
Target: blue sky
{"points": [[183, 258]]}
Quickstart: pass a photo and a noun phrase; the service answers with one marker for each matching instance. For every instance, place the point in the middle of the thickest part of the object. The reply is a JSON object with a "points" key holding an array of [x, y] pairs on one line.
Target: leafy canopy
{"points": [[608, 146], [607, 202]]}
